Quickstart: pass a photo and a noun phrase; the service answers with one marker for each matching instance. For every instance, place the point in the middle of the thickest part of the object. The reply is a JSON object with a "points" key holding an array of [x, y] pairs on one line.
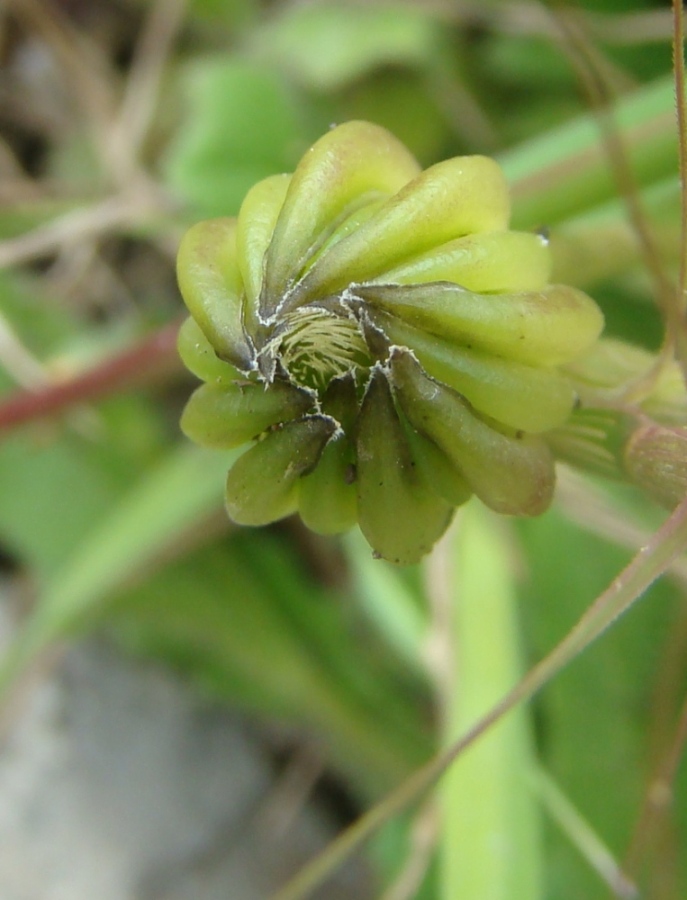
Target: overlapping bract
{"points": [[388, 345]]}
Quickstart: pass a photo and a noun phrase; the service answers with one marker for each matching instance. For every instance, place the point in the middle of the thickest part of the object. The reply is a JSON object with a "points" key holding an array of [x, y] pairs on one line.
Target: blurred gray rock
{"points": [[118, 783]]}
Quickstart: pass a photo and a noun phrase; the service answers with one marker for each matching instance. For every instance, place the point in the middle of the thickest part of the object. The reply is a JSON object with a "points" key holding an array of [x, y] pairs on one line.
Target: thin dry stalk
{"points": [[530, 19], [78, 225], [143, 83], [658, 798], [590, 508], [585, 60], [290, 794], [17, 361], [423, 839]]}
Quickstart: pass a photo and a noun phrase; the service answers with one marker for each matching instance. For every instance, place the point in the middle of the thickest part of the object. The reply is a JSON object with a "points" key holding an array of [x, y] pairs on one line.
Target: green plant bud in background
{"points": [[613, 372], [630, 418], [384, 342], [656, 460]]}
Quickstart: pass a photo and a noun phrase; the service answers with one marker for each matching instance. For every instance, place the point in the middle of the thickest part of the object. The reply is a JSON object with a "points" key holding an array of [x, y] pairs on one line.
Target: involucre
{"points": [[382, 341]]}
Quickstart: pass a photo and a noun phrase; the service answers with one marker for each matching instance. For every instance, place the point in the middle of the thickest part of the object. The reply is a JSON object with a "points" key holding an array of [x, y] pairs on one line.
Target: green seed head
{"points": [[388, 345]]}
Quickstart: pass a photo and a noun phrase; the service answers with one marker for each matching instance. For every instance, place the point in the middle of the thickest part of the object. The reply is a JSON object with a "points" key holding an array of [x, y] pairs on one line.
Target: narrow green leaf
{"points": [[490, 835], [567, 171], [181, 491]]}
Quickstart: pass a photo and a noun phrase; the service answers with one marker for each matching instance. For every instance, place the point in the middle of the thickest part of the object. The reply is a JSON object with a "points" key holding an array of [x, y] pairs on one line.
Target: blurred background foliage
{"points": [[124, 121]]}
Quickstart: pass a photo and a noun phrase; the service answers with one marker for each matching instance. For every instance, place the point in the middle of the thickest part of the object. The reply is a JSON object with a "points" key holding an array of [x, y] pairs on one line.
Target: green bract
{"points": [[383, 340]]}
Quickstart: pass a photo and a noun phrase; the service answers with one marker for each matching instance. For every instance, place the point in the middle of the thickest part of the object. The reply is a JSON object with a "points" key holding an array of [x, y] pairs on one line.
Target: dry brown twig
{"points": [[114, 213], [142, 88], [590, 508]]}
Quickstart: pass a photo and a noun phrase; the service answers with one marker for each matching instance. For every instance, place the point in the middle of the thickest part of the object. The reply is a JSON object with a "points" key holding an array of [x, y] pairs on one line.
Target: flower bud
{"points": [[656, 460], [387, 345], [612, 370]]}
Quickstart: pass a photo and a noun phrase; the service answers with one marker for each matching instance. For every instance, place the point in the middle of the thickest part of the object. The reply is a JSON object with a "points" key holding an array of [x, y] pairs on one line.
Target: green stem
{"points": [[567, 171]]}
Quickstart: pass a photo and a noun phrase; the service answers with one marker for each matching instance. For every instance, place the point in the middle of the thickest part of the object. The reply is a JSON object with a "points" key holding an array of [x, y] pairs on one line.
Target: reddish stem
{"points": [[153, 358]]}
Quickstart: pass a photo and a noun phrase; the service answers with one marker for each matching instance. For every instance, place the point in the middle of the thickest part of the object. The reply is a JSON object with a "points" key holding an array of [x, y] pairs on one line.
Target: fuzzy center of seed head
{"points": [[316, 345]]}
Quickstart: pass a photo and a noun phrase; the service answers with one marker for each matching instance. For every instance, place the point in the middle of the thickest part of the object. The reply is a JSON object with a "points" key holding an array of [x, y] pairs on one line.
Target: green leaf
{"points": [[241, 125], [490, 833], [53, 489], [598, 711], [26, 316], [229, 12], [388, 601], [326, 45], [246, 618], [181, 491]]}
